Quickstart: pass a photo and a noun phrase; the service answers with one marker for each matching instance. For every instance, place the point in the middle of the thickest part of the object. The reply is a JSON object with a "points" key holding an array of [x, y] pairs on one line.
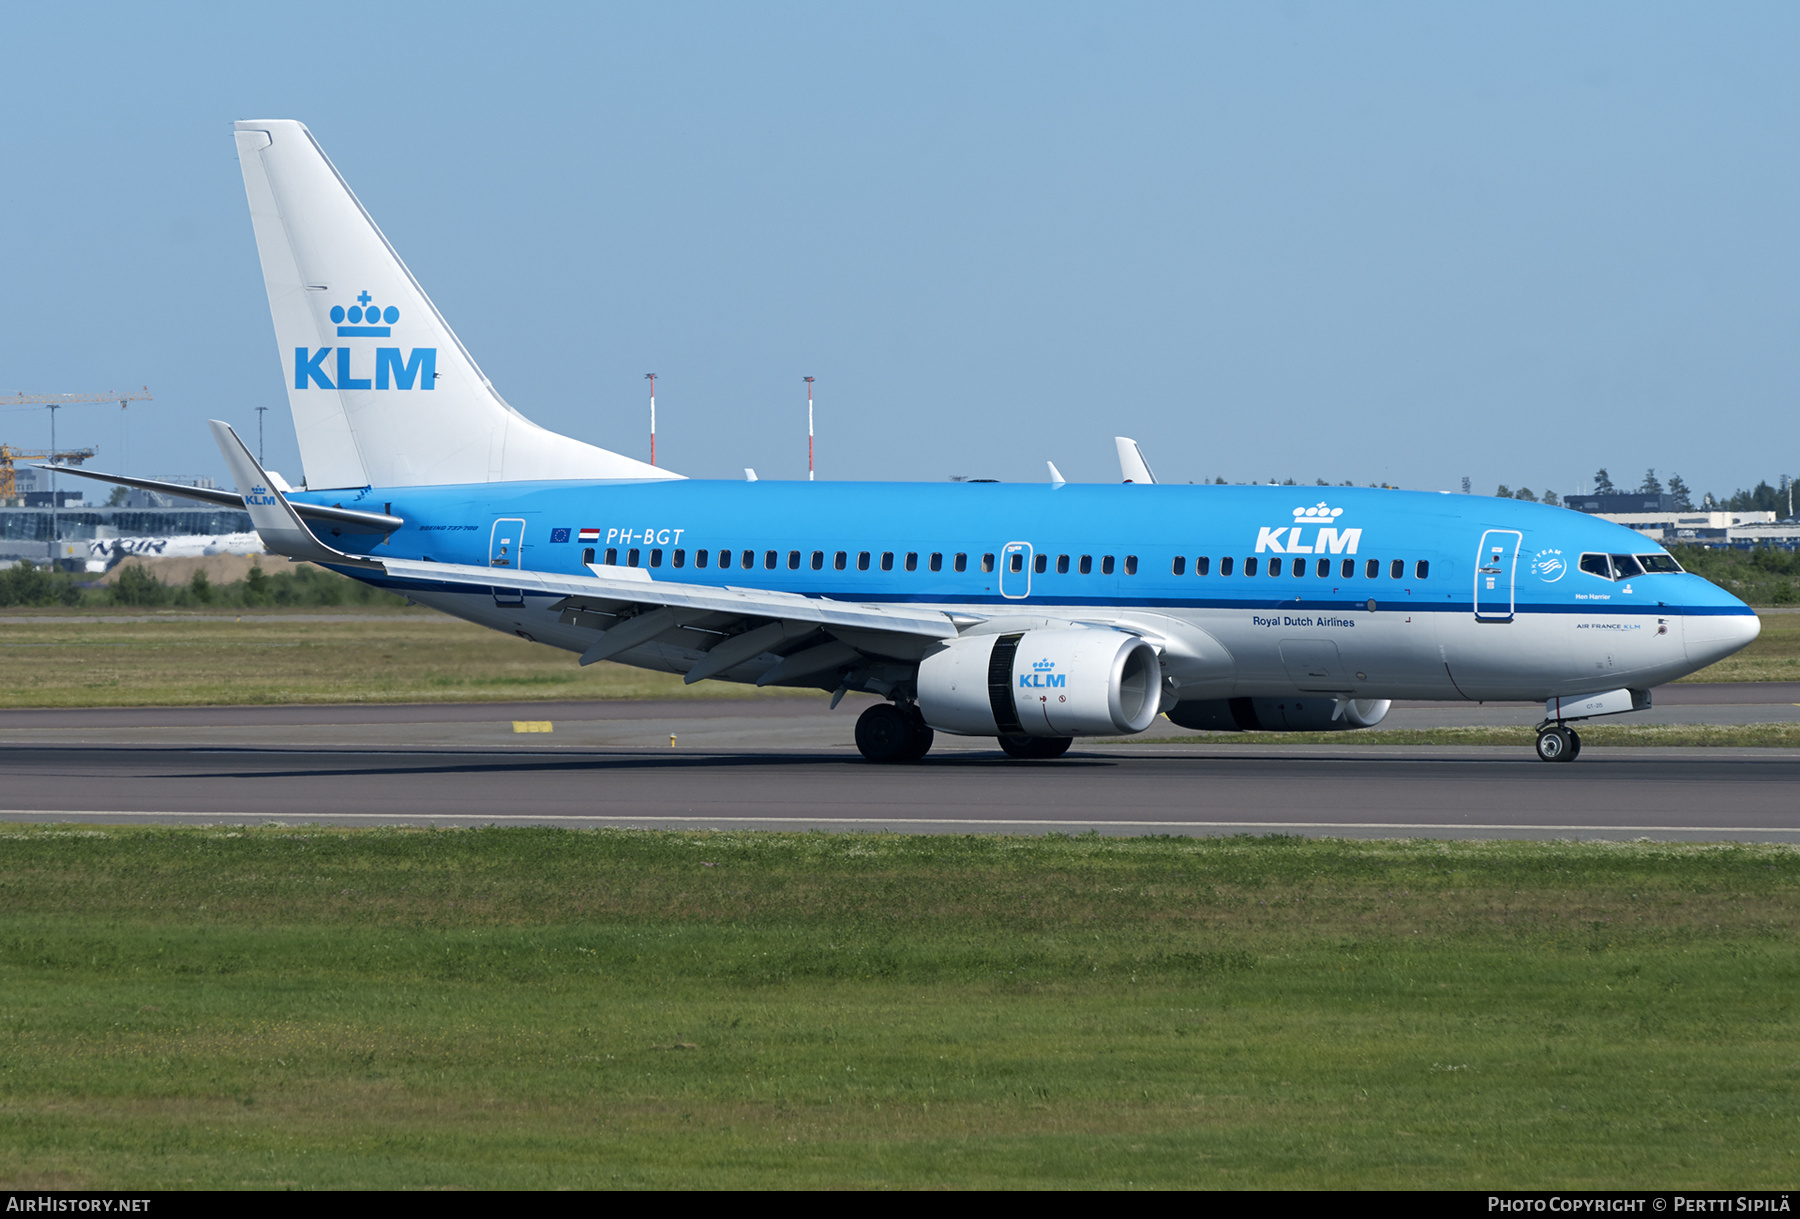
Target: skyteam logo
{"points": [[1043, 677], [366, 320], [1549, 566], [1292, 539]]}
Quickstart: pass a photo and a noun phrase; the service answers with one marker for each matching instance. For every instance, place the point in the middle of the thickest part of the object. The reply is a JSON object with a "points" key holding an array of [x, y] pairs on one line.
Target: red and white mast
{"points": [[651, 377], [809, 429]]}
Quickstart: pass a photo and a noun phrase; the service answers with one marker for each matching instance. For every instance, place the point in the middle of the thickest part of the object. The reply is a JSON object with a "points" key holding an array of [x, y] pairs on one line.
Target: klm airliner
{"points": [[1033, 614]]}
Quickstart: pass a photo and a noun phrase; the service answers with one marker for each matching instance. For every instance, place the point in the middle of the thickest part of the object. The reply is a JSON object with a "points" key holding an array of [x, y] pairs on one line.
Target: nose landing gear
{"points": [[1558, 743]]}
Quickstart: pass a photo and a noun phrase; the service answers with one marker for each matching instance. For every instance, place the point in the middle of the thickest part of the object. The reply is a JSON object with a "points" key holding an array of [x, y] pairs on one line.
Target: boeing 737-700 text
{"points": [[1034, 614]]}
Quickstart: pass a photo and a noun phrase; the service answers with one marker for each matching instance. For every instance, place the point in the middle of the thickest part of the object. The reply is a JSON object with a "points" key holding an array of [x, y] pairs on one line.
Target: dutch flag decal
{"points": [[590, 535]]}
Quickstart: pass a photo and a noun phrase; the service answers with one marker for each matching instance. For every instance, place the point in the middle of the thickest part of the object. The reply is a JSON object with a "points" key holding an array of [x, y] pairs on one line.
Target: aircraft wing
{"points": [[624, 603]]}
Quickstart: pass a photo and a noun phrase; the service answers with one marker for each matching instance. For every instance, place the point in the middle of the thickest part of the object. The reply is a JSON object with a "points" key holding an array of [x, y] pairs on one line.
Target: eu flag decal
{"points": [[559, 535]]}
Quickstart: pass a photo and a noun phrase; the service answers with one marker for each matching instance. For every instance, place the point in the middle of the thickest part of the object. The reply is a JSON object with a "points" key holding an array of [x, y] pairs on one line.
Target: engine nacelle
{"points": [[1043, 683], [1307, 713]]}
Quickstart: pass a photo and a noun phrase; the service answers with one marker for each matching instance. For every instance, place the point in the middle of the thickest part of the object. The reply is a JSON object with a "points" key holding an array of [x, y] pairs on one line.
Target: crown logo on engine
{"points": [[1044, 666], [364, 319]]}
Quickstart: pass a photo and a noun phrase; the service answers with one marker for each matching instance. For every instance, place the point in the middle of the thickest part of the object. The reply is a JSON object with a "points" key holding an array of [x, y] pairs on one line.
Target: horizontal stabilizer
{"points": [[344, 520]]}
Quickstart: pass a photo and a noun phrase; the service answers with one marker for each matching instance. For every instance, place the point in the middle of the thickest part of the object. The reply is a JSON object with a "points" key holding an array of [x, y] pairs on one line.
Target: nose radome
{"points": [[1713, 637]]}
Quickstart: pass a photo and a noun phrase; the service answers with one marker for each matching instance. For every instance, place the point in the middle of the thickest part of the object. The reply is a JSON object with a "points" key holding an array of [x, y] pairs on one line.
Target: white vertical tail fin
{"points": [[382, 391]]}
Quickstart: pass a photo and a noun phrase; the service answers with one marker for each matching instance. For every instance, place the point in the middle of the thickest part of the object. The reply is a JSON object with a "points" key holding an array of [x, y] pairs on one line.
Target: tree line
{"points": [[1761, 498]]}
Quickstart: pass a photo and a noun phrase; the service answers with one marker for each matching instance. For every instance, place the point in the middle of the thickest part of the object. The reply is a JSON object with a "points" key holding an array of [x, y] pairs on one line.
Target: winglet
{"points": [[275, 520], [1132, 466], [1056, 477]]}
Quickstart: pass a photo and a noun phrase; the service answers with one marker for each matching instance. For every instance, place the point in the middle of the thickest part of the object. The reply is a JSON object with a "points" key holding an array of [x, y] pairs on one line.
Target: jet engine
{"points": [[1047, 682], [1307, 713]]}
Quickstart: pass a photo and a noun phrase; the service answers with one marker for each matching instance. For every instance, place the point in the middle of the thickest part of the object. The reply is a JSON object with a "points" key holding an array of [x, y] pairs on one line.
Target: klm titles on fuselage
{"points": [[1290, 539], [392, 370]]}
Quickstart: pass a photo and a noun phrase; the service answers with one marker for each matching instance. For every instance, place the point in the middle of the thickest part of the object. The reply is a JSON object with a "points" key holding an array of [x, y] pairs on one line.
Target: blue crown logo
{"points": [[365, 320], [1043, 666]]}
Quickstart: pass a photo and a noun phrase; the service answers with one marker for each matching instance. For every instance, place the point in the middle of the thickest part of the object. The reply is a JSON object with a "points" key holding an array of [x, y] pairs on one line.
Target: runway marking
{"points": [[641, 819]]}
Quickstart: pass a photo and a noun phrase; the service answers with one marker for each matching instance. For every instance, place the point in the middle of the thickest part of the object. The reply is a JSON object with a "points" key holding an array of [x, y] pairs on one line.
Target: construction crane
{"points": [[8, 455], [55, 402]]}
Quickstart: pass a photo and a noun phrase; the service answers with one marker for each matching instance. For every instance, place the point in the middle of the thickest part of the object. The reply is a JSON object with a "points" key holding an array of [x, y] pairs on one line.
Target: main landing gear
{"points": [[886, 733], [1558, 743]]}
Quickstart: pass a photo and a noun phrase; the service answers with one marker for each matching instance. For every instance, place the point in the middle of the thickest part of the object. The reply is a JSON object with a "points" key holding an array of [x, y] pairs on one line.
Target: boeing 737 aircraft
{"points": [[1033, 614]]}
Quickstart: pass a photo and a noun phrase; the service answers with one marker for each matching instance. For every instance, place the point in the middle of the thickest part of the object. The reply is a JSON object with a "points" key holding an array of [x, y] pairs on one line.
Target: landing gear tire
{"points": [[1574, 744], [1558, 745], [886, 733], [1033, 748]]}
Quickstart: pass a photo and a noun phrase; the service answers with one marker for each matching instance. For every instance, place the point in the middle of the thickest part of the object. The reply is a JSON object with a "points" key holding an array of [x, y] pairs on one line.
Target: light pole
{"points": [[260, 412], [54, 535], [809, 429], [651, 377]]}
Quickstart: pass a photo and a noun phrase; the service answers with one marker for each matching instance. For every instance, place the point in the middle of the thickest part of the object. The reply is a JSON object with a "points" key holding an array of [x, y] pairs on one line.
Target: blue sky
{"points": [[1400, 243]]}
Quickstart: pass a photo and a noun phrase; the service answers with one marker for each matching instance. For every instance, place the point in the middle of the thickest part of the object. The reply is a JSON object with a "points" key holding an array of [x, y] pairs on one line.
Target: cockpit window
{"points": [[1597, 565], [1659, 563], [1625, 567]]}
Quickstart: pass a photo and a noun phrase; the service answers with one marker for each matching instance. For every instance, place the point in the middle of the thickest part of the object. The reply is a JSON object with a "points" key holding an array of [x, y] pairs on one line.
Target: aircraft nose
{"points": [[1713, 637]]}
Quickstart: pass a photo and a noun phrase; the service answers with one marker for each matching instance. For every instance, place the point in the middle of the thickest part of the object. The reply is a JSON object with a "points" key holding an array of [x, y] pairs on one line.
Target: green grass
{"points": [[537, 1008], [1774, 656], [1782, 734], [172, 658]]}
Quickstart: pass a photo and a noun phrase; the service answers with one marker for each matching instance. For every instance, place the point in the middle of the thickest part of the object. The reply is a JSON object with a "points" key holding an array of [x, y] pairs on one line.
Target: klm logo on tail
{"points": [[365, 320]]}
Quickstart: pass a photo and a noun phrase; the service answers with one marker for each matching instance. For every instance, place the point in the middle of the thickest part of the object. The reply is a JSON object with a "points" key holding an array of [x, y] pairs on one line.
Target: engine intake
{"points": [[1042, 683], [1309, 713]]}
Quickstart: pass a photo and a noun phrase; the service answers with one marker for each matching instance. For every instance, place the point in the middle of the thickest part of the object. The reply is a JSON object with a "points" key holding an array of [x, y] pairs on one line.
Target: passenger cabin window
{"points": [[1062, 564], [1657, 563], [1274, 567], [1178, 566], [1299, 567], [862, 561], [1017, 562], [912, 560], [840, 561], [1349, 569], [769, 559], [1372, 568], [1106, 565], [818, 560], [1397, 569], [960, 562], [937, 561], [887, 560], [1250, 566], [679, 559], [1226, 564], [1324, 568], [987, 562], [1131, 565], [793, 560], [1087, 564], [612, 557], [749, 559], [631, 557], [1422, 569], [1203, 565], [1041, 564], [656, 558]]}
